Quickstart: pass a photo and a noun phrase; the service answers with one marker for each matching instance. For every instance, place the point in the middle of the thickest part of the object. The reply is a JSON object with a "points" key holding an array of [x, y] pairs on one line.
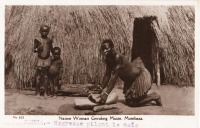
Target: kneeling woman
{"points": [[136, 78]]}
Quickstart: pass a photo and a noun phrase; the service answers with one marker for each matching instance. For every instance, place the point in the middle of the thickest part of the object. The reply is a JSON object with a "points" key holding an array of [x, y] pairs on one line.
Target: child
{"points": [[56, 70], [43, 47]]}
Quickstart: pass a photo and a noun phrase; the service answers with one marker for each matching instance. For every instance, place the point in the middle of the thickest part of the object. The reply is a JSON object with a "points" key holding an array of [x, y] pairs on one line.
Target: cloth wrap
{"points": [[138, 89]]}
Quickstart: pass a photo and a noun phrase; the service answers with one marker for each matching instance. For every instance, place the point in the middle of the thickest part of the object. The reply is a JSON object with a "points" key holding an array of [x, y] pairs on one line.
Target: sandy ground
{"points": [[176, 101]]}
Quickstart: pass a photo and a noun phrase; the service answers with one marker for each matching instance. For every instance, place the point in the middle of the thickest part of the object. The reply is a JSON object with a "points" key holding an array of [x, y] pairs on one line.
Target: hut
{"points": [[162, 35]]}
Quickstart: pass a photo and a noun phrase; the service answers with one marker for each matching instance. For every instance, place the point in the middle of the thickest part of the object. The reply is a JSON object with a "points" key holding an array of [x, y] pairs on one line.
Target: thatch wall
{"points": [[79, 30]]}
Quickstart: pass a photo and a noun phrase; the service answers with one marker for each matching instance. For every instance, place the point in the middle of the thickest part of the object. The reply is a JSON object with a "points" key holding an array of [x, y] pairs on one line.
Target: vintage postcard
{"points": [[100, 64]]}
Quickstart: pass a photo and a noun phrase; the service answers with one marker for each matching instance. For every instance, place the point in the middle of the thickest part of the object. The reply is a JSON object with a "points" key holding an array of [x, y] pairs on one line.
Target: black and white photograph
{"points": [[99, 60]]}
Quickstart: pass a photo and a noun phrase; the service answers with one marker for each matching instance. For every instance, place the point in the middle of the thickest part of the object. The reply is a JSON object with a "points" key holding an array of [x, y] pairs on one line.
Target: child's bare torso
{"points": [[55, 67], [46, 47]]}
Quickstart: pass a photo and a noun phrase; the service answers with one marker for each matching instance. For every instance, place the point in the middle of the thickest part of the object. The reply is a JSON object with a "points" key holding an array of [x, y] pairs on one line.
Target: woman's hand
{"points": [[103, 98]]}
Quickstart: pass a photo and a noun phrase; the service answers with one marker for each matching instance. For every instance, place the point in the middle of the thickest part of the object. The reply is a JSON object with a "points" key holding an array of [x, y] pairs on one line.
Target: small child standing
{"points": [[56, 70], [43, 47]]}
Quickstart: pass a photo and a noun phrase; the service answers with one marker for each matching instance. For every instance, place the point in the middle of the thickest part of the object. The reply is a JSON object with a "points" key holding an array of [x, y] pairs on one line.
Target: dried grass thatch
{"points": [[79, 30]]}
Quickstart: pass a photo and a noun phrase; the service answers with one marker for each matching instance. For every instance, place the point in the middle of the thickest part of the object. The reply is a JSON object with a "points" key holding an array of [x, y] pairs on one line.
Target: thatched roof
{"points": [[79, 30]]}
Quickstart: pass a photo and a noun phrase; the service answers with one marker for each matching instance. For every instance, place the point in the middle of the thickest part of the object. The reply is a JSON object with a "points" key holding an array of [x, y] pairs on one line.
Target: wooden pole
{"points": [[155, 52], [157, 69]]}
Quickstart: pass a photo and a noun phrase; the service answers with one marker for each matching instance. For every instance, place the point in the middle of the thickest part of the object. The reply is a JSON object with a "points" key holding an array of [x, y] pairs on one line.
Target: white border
{"points": [[2, 35], [150, 121], [99, 2]]}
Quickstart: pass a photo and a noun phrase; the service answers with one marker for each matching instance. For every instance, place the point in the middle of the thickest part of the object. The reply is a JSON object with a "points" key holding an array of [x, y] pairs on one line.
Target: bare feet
{"points": [[158, 101]]}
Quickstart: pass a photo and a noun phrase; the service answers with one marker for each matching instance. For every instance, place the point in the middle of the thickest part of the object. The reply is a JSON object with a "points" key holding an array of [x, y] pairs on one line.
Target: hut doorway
{"points": [[144, 45]]}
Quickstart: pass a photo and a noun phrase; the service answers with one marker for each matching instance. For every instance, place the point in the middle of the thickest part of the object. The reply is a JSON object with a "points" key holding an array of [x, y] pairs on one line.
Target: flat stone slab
{"points": [[84, 104]]}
